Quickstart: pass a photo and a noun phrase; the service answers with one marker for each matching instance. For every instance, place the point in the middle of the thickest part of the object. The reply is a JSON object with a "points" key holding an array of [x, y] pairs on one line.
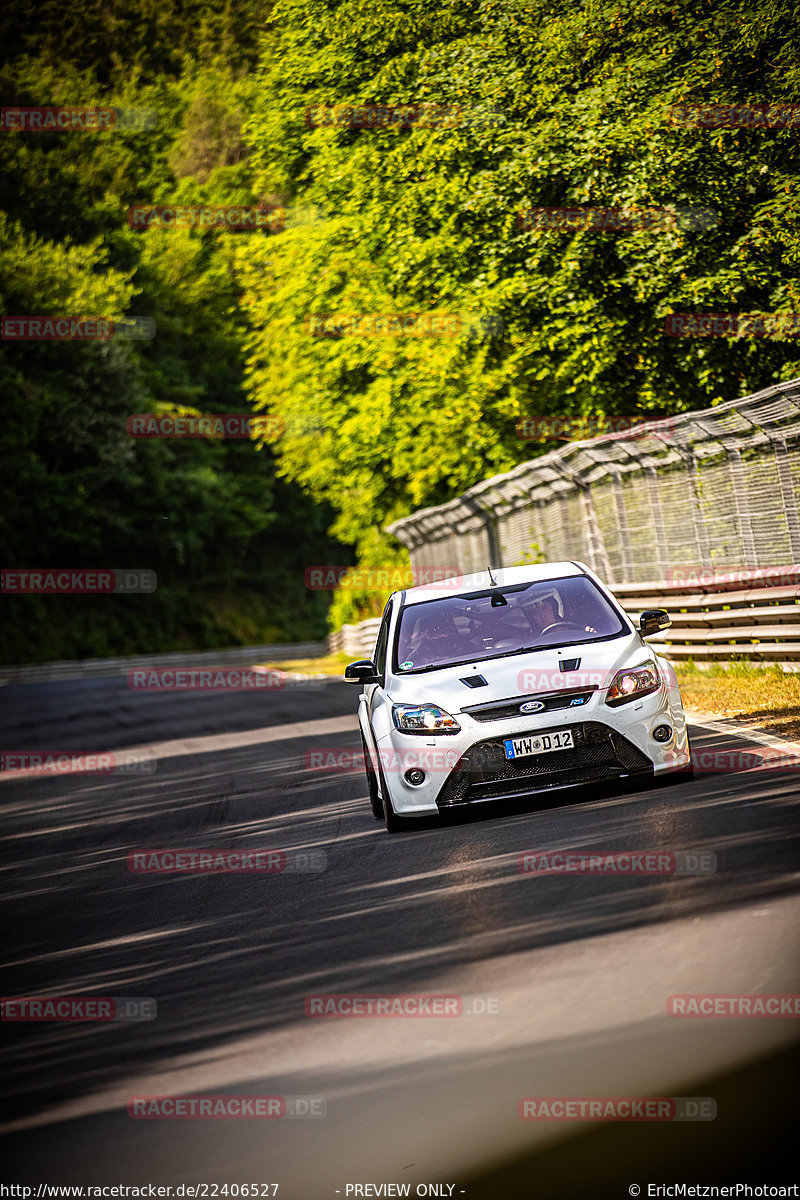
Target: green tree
{"points": [[563, 106]]}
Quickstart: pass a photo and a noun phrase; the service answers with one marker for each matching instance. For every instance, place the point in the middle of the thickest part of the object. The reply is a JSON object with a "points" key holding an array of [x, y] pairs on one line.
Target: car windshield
{"points": [[503, 620]]}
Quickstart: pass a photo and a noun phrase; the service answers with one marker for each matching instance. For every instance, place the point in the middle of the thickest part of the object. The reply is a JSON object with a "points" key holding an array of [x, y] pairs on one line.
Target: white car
{"points": [[510, 682]]}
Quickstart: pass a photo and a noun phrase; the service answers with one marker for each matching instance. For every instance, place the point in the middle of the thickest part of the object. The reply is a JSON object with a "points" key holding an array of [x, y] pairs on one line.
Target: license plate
{"points": [[542, 743]]}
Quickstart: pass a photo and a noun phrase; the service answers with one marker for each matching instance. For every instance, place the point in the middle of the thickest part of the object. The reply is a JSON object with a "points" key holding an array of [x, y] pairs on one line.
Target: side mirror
{"points": [[653, 620], [362, 671]]}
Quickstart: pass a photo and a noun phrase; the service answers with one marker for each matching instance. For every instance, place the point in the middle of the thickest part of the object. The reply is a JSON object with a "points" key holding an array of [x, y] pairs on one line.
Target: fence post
{"points": [[623, 530], [700, 534], [781, 452], [740, 499], [495, 553], [660, 540]]}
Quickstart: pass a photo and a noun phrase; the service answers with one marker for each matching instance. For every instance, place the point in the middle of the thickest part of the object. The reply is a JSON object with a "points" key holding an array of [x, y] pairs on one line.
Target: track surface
{"points": [[580, 967]]}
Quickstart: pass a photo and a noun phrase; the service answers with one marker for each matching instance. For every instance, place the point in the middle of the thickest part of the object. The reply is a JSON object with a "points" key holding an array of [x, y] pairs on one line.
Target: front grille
{"points": [[498, 710], [484, 772]]}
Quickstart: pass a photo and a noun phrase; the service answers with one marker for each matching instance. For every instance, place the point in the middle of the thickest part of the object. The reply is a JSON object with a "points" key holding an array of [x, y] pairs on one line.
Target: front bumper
{"points": [[610, 744], [484, 773]]}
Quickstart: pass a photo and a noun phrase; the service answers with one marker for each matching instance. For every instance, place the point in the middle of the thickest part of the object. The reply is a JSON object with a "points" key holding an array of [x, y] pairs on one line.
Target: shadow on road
{"points": [[225, 956]]}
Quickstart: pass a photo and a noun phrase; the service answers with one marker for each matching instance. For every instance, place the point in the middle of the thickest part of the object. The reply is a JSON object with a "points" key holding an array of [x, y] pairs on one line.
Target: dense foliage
{"points": [[209, 517], [565, 104]]}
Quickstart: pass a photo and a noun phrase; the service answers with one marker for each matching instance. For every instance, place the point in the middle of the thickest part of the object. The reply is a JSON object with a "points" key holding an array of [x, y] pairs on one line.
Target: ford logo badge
{"points": [[531, 706]]}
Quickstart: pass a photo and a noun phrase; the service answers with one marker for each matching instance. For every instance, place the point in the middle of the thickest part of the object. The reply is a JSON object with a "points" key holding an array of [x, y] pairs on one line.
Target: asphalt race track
{"points": [[572, 973]]}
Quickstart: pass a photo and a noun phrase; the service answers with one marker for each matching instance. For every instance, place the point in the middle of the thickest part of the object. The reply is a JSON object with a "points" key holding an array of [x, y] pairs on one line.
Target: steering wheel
{"points": [[562, 625]]}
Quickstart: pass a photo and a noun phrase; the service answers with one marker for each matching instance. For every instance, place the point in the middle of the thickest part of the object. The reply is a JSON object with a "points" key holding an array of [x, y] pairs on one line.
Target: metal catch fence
{"points": [[717, 489]]}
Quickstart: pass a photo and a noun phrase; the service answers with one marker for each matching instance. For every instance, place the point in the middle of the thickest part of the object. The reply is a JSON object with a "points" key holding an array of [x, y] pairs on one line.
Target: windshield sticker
{"points": [[403, 665]]}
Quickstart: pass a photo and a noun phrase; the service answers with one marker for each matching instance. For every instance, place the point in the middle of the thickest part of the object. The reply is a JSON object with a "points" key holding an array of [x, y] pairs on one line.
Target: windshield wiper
{"points": [[560, 645], [456, 662]]}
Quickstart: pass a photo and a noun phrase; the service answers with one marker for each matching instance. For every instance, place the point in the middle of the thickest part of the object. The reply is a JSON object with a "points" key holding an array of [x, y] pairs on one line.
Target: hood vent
{"points": [[569, 664], [473, 681]]}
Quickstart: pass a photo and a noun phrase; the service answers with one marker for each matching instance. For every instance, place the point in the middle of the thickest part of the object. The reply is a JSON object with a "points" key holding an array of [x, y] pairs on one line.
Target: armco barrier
{"points": [[724, 619], [92, 668], [358, 640]]}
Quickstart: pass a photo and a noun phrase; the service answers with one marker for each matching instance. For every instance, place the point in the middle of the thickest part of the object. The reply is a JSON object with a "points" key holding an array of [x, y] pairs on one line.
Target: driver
{"points": [[435, 638], [542, 613]]}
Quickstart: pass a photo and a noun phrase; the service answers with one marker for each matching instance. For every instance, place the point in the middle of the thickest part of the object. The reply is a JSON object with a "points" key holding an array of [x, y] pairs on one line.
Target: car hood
{"points": [[523, 674]]}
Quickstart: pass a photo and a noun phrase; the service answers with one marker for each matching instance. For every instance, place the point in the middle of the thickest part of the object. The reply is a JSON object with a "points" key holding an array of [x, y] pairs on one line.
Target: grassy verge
{"points": [[765, 696], [330, 664]]}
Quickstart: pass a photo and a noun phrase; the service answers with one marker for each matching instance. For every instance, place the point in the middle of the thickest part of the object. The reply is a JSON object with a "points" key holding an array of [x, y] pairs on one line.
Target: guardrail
{"points": [[92, 668], [723, 619], [358, 640]]}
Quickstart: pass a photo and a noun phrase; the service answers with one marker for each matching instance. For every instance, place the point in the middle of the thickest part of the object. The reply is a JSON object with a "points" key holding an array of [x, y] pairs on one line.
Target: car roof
{"points": [[500, 577]]}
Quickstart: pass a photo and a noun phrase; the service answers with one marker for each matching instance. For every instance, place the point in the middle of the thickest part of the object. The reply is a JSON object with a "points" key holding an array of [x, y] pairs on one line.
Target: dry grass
{"points": [[330, 664], [765, 696]]}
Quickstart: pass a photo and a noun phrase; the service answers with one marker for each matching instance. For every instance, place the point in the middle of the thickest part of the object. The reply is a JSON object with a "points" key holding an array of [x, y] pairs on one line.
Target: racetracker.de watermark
{"points": [[733, 325], [236, 861], [732, 114], [590, 219], [617, 1108], [78, 1008], [345, 761], [537, 680], [326, 578], [729, 762], [233, 679], [91, 119], [234, 218], [19, 764], [211, 425], [616, 862], [225, 1108], [702, 575], [404, 325], [420, 115], [567, 429], [101, 581], [733, 1004], [400, 1004], [51, 328]]}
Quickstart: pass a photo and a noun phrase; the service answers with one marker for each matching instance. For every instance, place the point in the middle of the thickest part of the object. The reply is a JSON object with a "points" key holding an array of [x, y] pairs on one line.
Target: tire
{"points": [[375, 802], [394, 824]]}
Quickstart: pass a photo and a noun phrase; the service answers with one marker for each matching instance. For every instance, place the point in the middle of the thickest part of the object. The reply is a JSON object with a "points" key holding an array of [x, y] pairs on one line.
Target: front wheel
{"points": [[375, 802], [394, 824]]}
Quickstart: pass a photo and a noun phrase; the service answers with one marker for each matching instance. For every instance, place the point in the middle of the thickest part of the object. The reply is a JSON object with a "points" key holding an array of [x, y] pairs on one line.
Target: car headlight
{"points": [[423, 718], [632, 683]]}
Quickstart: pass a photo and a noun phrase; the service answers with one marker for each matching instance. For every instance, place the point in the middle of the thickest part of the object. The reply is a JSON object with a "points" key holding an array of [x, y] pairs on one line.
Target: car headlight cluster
{"points": [[423, 718], [632, 683]]}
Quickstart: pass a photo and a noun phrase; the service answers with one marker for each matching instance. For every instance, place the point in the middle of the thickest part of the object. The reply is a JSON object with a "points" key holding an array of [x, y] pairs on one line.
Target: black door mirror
{"points": [[653, 620], [362, 671]]}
